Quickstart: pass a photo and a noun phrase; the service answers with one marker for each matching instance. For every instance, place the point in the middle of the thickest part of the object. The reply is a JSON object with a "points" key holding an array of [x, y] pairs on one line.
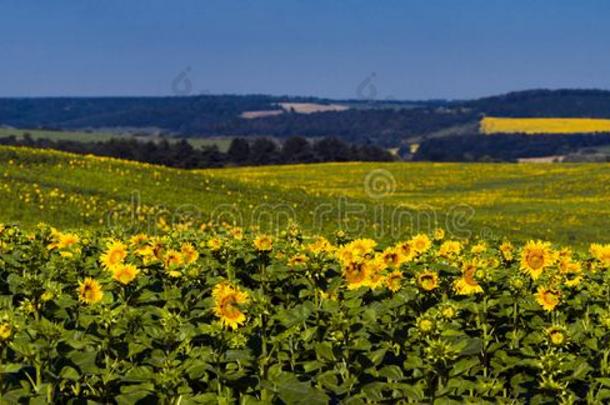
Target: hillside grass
{"points": [[497, 125], [222, 143], [564, 203]]}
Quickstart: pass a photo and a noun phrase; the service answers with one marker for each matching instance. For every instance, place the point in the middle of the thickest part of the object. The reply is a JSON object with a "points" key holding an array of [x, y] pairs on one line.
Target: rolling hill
{"points": [[563, 203]]}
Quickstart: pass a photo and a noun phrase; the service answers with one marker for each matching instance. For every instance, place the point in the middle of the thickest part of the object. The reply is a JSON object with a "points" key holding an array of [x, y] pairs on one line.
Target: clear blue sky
{"points": [[416, 49]]}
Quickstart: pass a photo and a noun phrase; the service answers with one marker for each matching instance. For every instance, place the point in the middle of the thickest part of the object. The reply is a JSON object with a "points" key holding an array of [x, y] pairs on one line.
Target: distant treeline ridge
{"points": [[181, 154]]}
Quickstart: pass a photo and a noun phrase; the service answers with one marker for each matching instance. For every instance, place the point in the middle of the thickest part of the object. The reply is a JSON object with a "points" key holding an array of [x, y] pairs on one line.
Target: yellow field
{"points": [[495, 125]]}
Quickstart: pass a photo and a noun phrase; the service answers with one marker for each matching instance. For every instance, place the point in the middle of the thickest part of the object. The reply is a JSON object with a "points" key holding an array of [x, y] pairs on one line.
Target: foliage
{"points": [[216, 314], [180, 153]]}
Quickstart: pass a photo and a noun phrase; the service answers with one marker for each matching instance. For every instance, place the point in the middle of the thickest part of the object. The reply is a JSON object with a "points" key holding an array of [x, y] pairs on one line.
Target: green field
{"points": [[564, 203], [223, 143]]}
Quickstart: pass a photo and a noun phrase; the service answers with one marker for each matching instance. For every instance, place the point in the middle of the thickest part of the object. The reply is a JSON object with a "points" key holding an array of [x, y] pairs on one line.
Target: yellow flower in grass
{"points": [[427, 280], [116, 252], [557, 335], [189, 253], [125, 273], [548, 298], [467, 284], [6, 330], [227, 303], [601, 253], [421, 243], [394, 280], [90, 291], [263, 243], [298, 260], [450, 249], [535, 257]]}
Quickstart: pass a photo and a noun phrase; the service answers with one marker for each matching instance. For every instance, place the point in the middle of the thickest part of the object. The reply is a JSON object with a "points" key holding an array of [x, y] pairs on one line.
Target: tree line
{"points": [[242, 152]]}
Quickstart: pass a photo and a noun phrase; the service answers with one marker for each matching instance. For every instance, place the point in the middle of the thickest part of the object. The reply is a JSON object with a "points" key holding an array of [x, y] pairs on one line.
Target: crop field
{"points": [[223, 315], [496, 125], [122, 282], [222, 143], [562, 203]]}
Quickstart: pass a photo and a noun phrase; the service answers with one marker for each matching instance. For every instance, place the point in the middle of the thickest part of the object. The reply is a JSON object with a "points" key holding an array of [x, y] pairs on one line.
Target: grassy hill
{"points": [[562, 203]]}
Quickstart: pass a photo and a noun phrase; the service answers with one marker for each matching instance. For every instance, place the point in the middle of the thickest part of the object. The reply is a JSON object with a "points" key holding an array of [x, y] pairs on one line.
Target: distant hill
{"points": [[382, 122]]}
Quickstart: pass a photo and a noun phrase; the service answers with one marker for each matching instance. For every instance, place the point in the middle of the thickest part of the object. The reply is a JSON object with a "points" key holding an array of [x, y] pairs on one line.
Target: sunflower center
{"points": [[355, 273], [535, 260], [469, 277], [228, 307]]}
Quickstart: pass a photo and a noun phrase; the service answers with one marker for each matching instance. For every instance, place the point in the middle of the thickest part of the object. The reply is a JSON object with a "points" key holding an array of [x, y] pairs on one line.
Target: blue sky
{"points": [[411, 49]]}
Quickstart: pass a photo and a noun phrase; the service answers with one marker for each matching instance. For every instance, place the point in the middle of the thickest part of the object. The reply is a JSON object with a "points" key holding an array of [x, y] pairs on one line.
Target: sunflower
{"points": [[227, 302], [556, 334], [298, 260], [356, 274], [138, 240], [450, 249], [375, 275], [6, 330], [67, 240], [548, 298], [392, 257], [506, 248], [421, 243], [361, 248], [439, 234], [214, 244], [426, 325], [479, 248], [237, 233], [90, 291], [189, 253], [116, 251], [173, 258], [263, 243], [393, 281], [601, 253], [125, 273], [427, 280], [535, 257], [448, 311], [467, 284], [406, 250], [320, 245]]}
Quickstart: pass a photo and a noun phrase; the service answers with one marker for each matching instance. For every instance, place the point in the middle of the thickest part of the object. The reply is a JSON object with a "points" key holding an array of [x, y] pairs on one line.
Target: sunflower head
{"points": [[450, 249], [393, 281], [90, 291], [507, 249], [556, 335], [426, 325], [421, 243], [125, 273], [356, 274], [548, 298], [6, 330], [439, 234], [228, 302], [601, 253], [214, 244], [535, 257], [468, 284], [298, 260], [115, 253], [427, 280], [189, 253], [263, 243]]}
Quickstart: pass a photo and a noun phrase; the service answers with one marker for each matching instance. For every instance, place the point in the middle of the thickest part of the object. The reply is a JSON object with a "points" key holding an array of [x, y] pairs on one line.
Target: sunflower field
{"points": [[219, 314]]}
